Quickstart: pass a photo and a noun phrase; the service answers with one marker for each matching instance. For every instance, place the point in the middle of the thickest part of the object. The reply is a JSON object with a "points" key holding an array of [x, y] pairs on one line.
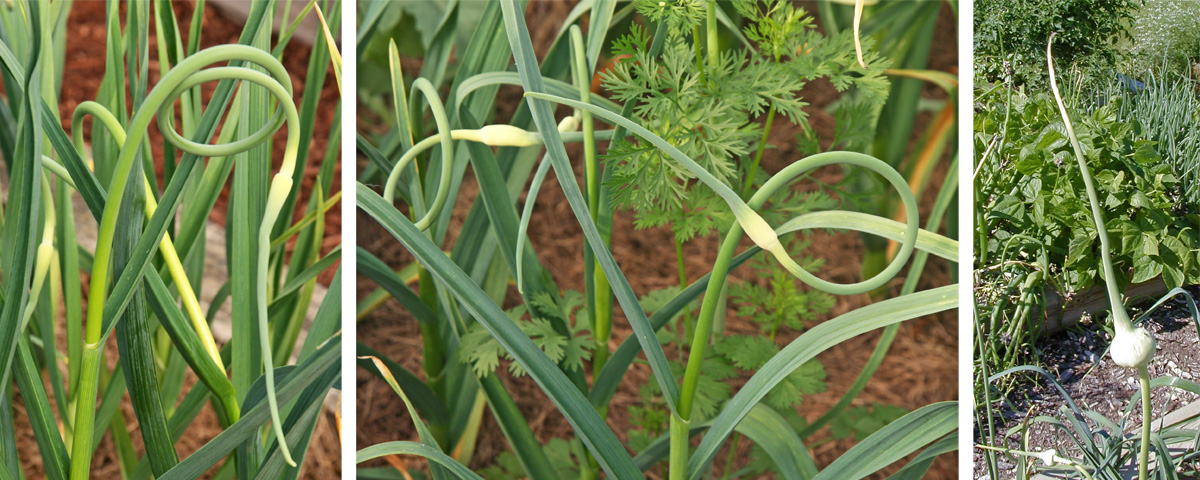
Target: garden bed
{"points": [[930, 342], [84, 69], [1076, 357]]}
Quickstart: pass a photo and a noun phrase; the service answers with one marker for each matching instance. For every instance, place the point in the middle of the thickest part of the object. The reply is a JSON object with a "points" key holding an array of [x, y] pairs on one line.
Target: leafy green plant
{"points": [[1163, 112], [150, 248], [685, 116], [1009, 36]]}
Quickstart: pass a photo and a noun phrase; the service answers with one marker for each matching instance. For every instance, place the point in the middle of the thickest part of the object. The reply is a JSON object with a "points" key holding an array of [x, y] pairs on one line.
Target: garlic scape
{"points": [[158, 104], [1132, 347], [490, 135], [749, 220]]}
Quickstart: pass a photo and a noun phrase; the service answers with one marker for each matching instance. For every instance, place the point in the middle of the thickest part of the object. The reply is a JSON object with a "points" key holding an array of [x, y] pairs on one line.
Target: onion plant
{"points": [[145, 271], [459, 299]]}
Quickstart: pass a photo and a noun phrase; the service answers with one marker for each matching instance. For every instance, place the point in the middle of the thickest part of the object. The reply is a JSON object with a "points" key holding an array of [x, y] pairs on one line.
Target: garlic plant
{"points": [[466, 288], [149, 256], [1132, 347]]}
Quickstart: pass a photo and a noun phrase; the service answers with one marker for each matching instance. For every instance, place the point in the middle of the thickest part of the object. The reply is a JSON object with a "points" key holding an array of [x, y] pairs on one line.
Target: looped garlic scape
{"points": [[490, 135], [763, 235], [159, 102]]}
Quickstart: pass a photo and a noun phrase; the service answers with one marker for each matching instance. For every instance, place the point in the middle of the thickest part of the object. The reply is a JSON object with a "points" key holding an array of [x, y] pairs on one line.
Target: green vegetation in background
{"points": [[1010, 36]]}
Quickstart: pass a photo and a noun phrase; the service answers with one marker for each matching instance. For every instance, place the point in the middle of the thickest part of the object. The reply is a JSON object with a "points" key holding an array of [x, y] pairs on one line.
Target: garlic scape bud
{"points": [[1051, 459], [510, 136], [763, 235], [569, 124], [498, 136], [1132, 347]]}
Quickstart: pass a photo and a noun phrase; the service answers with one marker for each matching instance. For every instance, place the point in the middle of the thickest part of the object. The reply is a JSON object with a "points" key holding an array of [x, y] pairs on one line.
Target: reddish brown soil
{"points": [[929, 343], [84, 68]]}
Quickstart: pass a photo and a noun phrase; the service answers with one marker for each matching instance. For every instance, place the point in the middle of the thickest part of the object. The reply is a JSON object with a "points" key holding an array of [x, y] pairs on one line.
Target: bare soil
{"points": [[921, 367]]}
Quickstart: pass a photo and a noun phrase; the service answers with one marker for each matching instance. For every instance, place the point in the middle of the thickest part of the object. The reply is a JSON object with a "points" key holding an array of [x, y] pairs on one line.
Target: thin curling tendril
{"points": [[160, 101]]}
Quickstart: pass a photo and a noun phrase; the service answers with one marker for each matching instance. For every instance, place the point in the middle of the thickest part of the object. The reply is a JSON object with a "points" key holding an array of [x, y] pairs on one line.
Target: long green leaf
{"points": [[413, 448], [299, 378], [894, 442], [807, 346], [916, 468], [19, 238], [771, 431], [583, 417], [134, 341], [531, 80], [50, 445]]}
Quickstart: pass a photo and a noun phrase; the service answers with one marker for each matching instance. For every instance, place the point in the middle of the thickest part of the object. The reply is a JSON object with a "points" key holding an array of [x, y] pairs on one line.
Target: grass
{"points": [[150, 250], [691, 145]]}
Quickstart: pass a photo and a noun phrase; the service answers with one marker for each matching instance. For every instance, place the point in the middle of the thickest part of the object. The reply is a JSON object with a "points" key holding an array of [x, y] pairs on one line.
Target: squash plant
{"points": [[682, 153], [149, 260]]}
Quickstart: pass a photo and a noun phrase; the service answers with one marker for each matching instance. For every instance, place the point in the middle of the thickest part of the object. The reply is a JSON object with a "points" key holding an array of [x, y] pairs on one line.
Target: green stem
{"points": [[159, 102], [699, 54], [601, 293], [714, 47], [1110, 277], [678, 456], [430, 339], [732, 456], [85, 408], [762, 145], [683, 283], [1144, 454]]}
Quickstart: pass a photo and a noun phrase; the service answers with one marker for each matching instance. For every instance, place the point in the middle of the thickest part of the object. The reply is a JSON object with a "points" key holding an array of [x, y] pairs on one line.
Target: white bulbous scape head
{"points": [[1132, 348]]}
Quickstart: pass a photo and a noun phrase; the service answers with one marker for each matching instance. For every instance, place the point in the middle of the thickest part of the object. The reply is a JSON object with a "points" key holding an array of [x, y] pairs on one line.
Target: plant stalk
{"points": [[1144, 454], [762, 145], [432, 355]]}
